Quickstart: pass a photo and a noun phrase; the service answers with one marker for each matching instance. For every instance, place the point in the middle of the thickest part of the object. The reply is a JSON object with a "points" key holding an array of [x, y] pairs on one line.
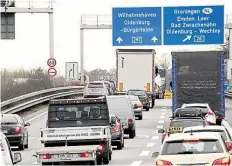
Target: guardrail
{"points": [[28, 100]]}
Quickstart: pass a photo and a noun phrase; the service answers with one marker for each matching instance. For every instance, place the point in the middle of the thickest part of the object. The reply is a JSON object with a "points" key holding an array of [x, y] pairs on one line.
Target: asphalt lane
{"points": [[137, 151]]}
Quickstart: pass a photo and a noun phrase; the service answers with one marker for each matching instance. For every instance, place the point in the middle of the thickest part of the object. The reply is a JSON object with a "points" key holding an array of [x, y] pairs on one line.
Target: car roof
{"points": [[9, 115], [96, 82], [118, 96], [187, 119], [136, 90], [202, 135], [196, 104], [204, 128]]}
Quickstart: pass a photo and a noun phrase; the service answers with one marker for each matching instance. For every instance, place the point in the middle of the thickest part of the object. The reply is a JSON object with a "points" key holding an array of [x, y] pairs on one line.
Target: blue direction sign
{"points": [[192, 25], [137, 26]]}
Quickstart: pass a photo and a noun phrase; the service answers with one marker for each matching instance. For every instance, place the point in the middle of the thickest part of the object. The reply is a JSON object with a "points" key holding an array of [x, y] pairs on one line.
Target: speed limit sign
{"points": [[51, 62]]}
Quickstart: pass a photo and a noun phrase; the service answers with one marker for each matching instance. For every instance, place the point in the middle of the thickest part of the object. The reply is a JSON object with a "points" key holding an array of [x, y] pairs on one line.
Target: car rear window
{"points": [[137, 93], [217, 131], [187, 123], [203, 108], [134, 98], [95, 85], [9, 120], [202, 146]]}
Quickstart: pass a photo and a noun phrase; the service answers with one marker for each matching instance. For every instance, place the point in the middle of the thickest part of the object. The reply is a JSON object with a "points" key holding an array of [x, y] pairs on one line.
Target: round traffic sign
{"points": [[51, 62], [52, 72]]}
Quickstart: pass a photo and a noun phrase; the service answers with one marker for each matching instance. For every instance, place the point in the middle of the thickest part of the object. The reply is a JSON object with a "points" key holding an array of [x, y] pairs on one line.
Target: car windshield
{"points": [[95, 85], [134, 98], [90, 114], [203, 108], [202, 146], [9, 120], [218, 131], [137, 93]]}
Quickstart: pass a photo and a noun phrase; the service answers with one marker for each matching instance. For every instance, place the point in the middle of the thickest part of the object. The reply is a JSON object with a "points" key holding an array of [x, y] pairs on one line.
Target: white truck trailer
{"points": [[135, 69]]}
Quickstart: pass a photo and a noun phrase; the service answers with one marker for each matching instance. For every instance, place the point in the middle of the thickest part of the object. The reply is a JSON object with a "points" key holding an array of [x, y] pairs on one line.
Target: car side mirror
{"points": [[123, 124], [17, 158], [161, 131], [155, 154], [27, 124], [135, 106]]}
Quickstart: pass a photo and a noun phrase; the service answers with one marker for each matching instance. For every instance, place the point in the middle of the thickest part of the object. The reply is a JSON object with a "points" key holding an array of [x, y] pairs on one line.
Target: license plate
{"points": [[65, 156]]}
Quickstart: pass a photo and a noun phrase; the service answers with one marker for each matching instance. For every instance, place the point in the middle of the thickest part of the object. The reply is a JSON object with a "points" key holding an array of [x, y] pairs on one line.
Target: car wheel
{"points": [[147, 108], [21, 146], [110, 155], [131, 134], [106, 159], [123, 141], [26, 146], [140, 117], [99, 160], [134, 133], [119, 145]]}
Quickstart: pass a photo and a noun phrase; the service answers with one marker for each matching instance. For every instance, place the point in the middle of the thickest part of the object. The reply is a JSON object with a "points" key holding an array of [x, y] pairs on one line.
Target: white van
{"points": [[121, 106]]}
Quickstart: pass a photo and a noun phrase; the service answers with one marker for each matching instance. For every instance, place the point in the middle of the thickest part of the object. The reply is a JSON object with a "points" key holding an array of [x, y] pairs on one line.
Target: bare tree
{"points": [[164, 61]]}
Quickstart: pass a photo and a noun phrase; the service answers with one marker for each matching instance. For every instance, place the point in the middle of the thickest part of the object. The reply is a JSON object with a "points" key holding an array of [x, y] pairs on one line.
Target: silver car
{"points": [[138, 106], [95, 89], [6, 153]]}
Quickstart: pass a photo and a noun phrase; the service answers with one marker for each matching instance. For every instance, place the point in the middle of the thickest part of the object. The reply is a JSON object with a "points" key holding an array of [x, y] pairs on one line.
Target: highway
{"points": [[137, 151]]}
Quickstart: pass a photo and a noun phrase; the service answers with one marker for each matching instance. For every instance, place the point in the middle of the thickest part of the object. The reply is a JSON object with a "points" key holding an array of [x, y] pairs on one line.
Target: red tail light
{"points": [[169, 124], [17, 130], [225, 161], [100, 148], [210, 112], [140, 105], [116, 128], [84, 155], [229, 145], [130, 121], [47, 156], [163, 163]]}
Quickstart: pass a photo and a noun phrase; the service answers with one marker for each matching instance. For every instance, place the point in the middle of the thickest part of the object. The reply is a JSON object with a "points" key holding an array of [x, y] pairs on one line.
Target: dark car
{"points": [[183, 118], [117, 132], [142, 95], [151, 98], [15, 130]]}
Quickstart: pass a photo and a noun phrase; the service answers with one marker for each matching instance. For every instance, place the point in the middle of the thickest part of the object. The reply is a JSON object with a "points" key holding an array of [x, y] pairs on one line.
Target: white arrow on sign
{"points": [[187, 38], [154, 39], [119, 40]]}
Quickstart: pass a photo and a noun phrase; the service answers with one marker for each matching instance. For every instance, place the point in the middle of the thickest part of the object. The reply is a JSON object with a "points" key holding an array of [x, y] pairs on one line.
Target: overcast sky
{"points": [[31, 46]]}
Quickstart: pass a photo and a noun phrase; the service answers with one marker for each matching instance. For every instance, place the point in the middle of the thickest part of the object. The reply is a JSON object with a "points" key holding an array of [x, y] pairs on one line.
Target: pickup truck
{"points": [[81, 123]]}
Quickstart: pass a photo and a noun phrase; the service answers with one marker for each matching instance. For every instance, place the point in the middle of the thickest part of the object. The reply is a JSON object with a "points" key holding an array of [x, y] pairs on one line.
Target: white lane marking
{"points": [[36, 117], [150, 145], [162, 117], [164, 110], [136, 163], [142, 136], [32, 138], [162, 113], [144, 153], [159, 126], [164, 107], [155, 137], [161, 121], [35, 162]]}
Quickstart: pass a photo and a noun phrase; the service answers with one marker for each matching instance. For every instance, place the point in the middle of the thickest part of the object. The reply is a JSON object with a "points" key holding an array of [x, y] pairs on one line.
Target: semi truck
{"points": [[198, 77], [135, 69]]}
